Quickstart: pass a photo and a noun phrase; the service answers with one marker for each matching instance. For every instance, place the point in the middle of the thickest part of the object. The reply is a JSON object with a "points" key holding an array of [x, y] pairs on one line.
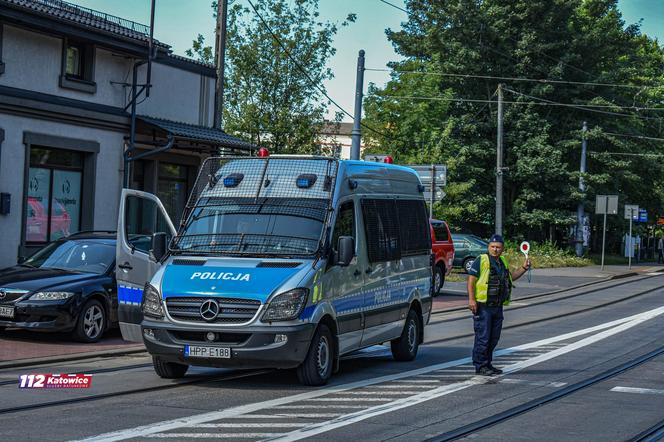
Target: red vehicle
{"points": [[443, 249]]}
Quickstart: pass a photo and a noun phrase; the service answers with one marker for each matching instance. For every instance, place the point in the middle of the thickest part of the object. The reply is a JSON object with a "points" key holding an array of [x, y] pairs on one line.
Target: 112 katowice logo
{"points": [[55, 381]]}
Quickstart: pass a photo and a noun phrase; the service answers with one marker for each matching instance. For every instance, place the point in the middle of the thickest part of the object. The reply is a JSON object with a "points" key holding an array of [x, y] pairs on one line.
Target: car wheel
{"points": [[91, 322], [438, 279], [317, 366], [468, 263], [168, 370], [405, 347]]}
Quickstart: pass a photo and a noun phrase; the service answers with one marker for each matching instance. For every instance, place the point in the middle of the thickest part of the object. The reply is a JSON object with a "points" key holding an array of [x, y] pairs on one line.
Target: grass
{"points": [[544, 255]]}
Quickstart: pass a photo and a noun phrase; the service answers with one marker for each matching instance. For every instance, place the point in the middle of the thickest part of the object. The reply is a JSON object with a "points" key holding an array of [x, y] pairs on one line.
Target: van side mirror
{"points": [[345, 250], [159, 245]]}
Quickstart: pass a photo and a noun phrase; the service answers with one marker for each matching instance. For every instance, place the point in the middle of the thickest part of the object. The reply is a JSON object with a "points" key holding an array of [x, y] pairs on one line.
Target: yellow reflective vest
{"points": [[482, 283]]}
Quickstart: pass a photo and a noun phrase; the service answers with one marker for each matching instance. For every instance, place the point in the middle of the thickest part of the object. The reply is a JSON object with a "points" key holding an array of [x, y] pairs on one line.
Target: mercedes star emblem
{"points": [[209, 310]]}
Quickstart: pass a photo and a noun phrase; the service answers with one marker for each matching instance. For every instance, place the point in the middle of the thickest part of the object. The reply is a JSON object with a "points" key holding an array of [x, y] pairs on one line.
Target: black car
{"points": [[68, 286]]}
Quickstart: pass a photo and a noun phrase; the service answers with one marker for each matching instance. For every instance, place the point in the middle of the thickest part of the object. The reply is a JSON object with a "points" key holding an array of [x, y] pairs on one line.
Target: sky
{"points": [[177, 22]]}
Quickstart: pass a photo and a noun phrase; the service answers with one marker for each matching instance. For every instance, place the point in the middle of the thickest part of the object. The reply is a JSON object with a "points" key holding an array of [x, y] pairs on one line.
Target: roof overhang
{"points": [[191, 136]]}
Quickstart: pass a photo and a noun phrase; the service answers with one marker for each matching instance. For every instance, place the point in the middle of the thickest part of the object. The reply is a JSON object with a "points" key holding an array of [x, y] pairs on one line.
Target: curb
{"points": [[578, 286], [119, 352], [70, 357]]}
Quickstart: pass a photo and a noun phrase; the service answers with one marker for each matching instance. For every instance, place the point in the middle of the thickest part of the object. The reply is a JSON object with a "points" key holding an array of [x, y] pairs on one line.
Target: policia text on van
{"points": [[280, 262]]}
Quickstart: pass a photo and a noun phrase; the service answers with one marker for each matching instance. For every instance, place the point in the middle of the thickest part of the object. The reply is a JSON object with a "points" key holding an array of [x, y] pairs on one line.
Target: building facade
{"points": [[66, 77]]}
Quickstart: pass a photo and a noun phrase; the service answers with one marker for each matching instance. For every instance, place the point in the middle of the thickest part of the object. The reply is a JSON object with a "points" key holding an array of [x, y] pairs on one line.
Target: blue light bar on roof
{"points": [[305, 180], [233, 180]]}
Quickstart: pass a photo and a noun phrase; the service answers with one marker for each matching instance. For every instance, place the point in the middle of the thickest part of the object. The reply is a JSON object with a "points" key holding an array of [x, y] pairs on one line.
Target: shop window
{"points": [[78, 66], [53, 208]]}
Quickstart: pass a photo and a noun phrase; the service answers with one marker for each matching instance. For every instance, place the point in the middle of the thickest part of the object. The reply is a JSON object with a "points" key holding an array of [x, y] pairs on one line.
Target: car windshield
{"points": [[81, 255], [240, 226]]}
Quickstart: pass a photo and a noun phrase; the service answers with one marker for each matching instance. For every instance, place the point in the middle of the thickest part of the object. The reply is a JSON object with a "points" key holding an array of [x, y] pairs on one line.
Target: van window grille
{"points": [[381, 226], [414, 227], [254, 206]]}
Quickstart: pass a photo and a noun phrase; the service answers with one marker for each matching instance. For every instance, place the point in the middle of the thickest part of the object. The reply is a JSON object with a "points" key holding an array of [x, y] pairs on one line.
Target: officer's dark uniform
{"points": [[488, 322]]}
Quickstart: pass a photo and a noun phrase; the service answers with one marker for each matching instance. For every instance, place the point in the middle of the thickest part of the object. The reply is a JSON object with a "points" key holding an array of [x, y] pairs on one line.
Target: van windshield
{"points": [[247, 226]]}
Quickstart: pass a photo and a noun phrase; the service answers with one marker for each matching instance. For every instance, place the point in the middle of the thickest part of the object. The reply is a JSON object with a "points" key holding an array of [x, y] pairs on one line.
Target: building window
{"points": [[2, 64], [78, 66], [74, 62], [172, 189], [53, 208]]}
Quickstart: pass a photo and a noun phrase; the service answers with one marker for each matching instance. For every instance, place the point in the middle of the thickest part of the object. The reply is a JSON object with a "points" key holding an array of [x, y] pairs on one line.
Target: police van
{"points": [[279, 262]]}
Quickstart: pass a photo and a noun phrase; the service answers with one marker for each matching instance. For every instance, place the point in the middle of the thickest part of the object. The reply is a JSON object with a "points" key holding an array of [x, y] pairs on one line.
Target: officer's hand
{"points": [[526, 264], [472, 305]]}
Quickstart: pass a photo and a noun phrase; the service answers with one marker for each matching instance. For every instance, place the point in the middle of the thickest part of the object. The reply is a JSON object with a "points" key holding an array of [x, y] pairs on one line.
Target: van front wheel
{"points": [[168, 370], [317, 366], [404, 348]]}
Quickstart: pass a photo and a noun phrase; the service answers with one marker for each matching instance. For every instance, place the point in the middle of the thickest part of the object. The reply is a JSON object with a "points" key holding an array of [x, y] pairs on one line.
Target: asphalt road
{"points": [[549, 344]]}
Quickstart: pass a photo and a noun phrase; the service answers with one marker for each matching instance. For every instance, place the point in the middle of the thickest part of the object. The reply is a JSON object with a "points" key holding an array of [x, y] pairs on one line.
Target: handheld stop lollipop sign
{"points": [[525, 248]]}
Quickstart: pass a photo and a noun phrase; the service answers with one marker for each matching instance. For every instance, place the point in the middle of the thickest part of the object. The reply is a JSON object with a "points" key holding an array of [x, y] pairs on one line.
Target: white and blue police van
{"points": [[278, 262]]}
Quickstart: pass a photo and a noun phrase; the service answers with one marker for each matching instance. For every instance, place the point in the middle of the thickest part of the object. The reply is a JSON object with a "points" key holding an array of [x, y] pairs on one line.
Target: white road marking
{"points": [[252, 425], [427, 385], [272, 416], [348, 419], [348, 399], [637, 390], [213, 435], [613, 327], [318, 406], [387, 393], [535, 383], [416, 381]]}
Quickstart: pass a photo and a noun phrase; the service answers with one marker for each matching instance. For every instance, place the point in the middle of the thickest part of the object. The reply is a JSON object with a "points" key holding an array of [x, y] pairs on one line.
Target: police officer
{"points": [[489, 289]]}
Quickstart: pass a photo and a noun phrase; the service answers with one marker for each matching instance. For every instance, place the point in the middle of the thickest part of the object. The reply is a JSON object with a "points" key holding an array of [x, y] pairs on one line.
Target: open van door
{"points": [[141, 215]]}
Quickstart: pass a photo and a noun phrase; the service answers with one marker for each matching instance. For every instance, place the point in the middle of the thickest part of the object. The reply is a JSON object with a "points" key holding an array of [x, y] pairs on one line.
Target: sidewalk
{"points": [[21, 347], [454, 294]]}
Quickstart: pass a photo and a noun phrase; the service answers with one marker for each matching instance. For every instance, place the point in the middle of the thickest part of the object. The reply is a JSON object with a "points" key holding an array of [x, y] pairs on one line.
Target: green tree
{"points": [[276, 63], [566, 40]]}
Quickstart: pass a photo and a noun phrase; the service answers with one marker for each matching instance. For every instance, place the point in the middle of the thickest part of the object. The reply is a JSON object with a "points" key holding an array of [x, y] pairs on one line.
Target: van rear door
{"points": [[141, 215]]}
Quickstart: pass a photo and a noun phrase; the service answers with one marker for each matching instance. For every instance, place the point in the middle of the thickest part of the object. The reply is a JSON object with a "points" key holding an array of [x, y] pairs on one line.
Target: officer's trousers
{"points": [[488, 323]]}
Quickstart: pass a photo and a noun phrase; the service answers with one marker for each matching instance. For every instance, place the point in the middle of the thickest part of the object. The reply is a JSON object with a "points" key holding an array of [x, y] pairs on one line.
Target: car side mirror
{"points": [[159, 245], [346, 250]]}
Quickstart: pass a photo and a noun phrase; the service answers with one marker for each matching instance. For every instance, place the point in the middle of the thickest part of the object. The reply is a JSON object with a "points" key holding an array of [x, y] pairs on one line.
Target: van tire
{"points": [[405, 347], [438, 279], [316, 369], [168, 370]]}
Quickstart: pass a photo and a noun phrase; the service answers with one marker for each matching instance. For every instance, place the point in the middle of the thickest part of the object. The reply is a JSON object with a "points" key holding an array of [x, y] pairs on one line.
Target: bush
{"points": [[544, 255]]}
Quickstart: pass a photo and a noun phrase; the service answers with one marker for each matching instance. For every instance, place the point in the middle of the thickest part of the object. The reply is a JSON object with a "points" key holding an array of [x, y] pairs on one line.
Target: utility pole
{"points": [[582, 190], [499, 165], [220, 62], [357, 119]]}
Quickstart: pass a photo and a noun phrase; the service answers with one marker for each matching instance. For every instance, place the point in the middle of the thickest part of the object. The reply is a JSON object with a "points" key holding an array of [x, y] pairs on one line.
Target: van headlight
{"points": [[51, 296], [152, 302], [286, 306]]}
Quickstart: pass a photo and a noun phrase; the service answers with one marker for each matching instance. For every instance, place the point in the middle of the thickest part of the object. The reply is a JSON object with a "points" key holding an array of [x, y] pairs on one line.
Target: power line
{"points": [[394, 6], [493, 77], [552, 103], [633, 136], [581, 107], [305, 73], [630, 154]]}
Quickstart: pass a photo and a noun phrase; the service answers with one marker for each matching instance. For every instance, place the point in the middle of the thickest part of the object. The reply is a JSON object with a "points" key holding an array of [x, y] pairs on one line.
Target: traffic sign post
{"points": [[631, 213], [434, 178], [605, 204]]}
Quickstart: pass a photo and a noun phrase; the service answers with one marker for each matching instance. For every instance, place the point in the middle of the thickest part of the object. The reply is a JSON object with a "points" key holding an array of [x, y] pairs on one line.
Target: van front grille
{"points": [[231, 310]]}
